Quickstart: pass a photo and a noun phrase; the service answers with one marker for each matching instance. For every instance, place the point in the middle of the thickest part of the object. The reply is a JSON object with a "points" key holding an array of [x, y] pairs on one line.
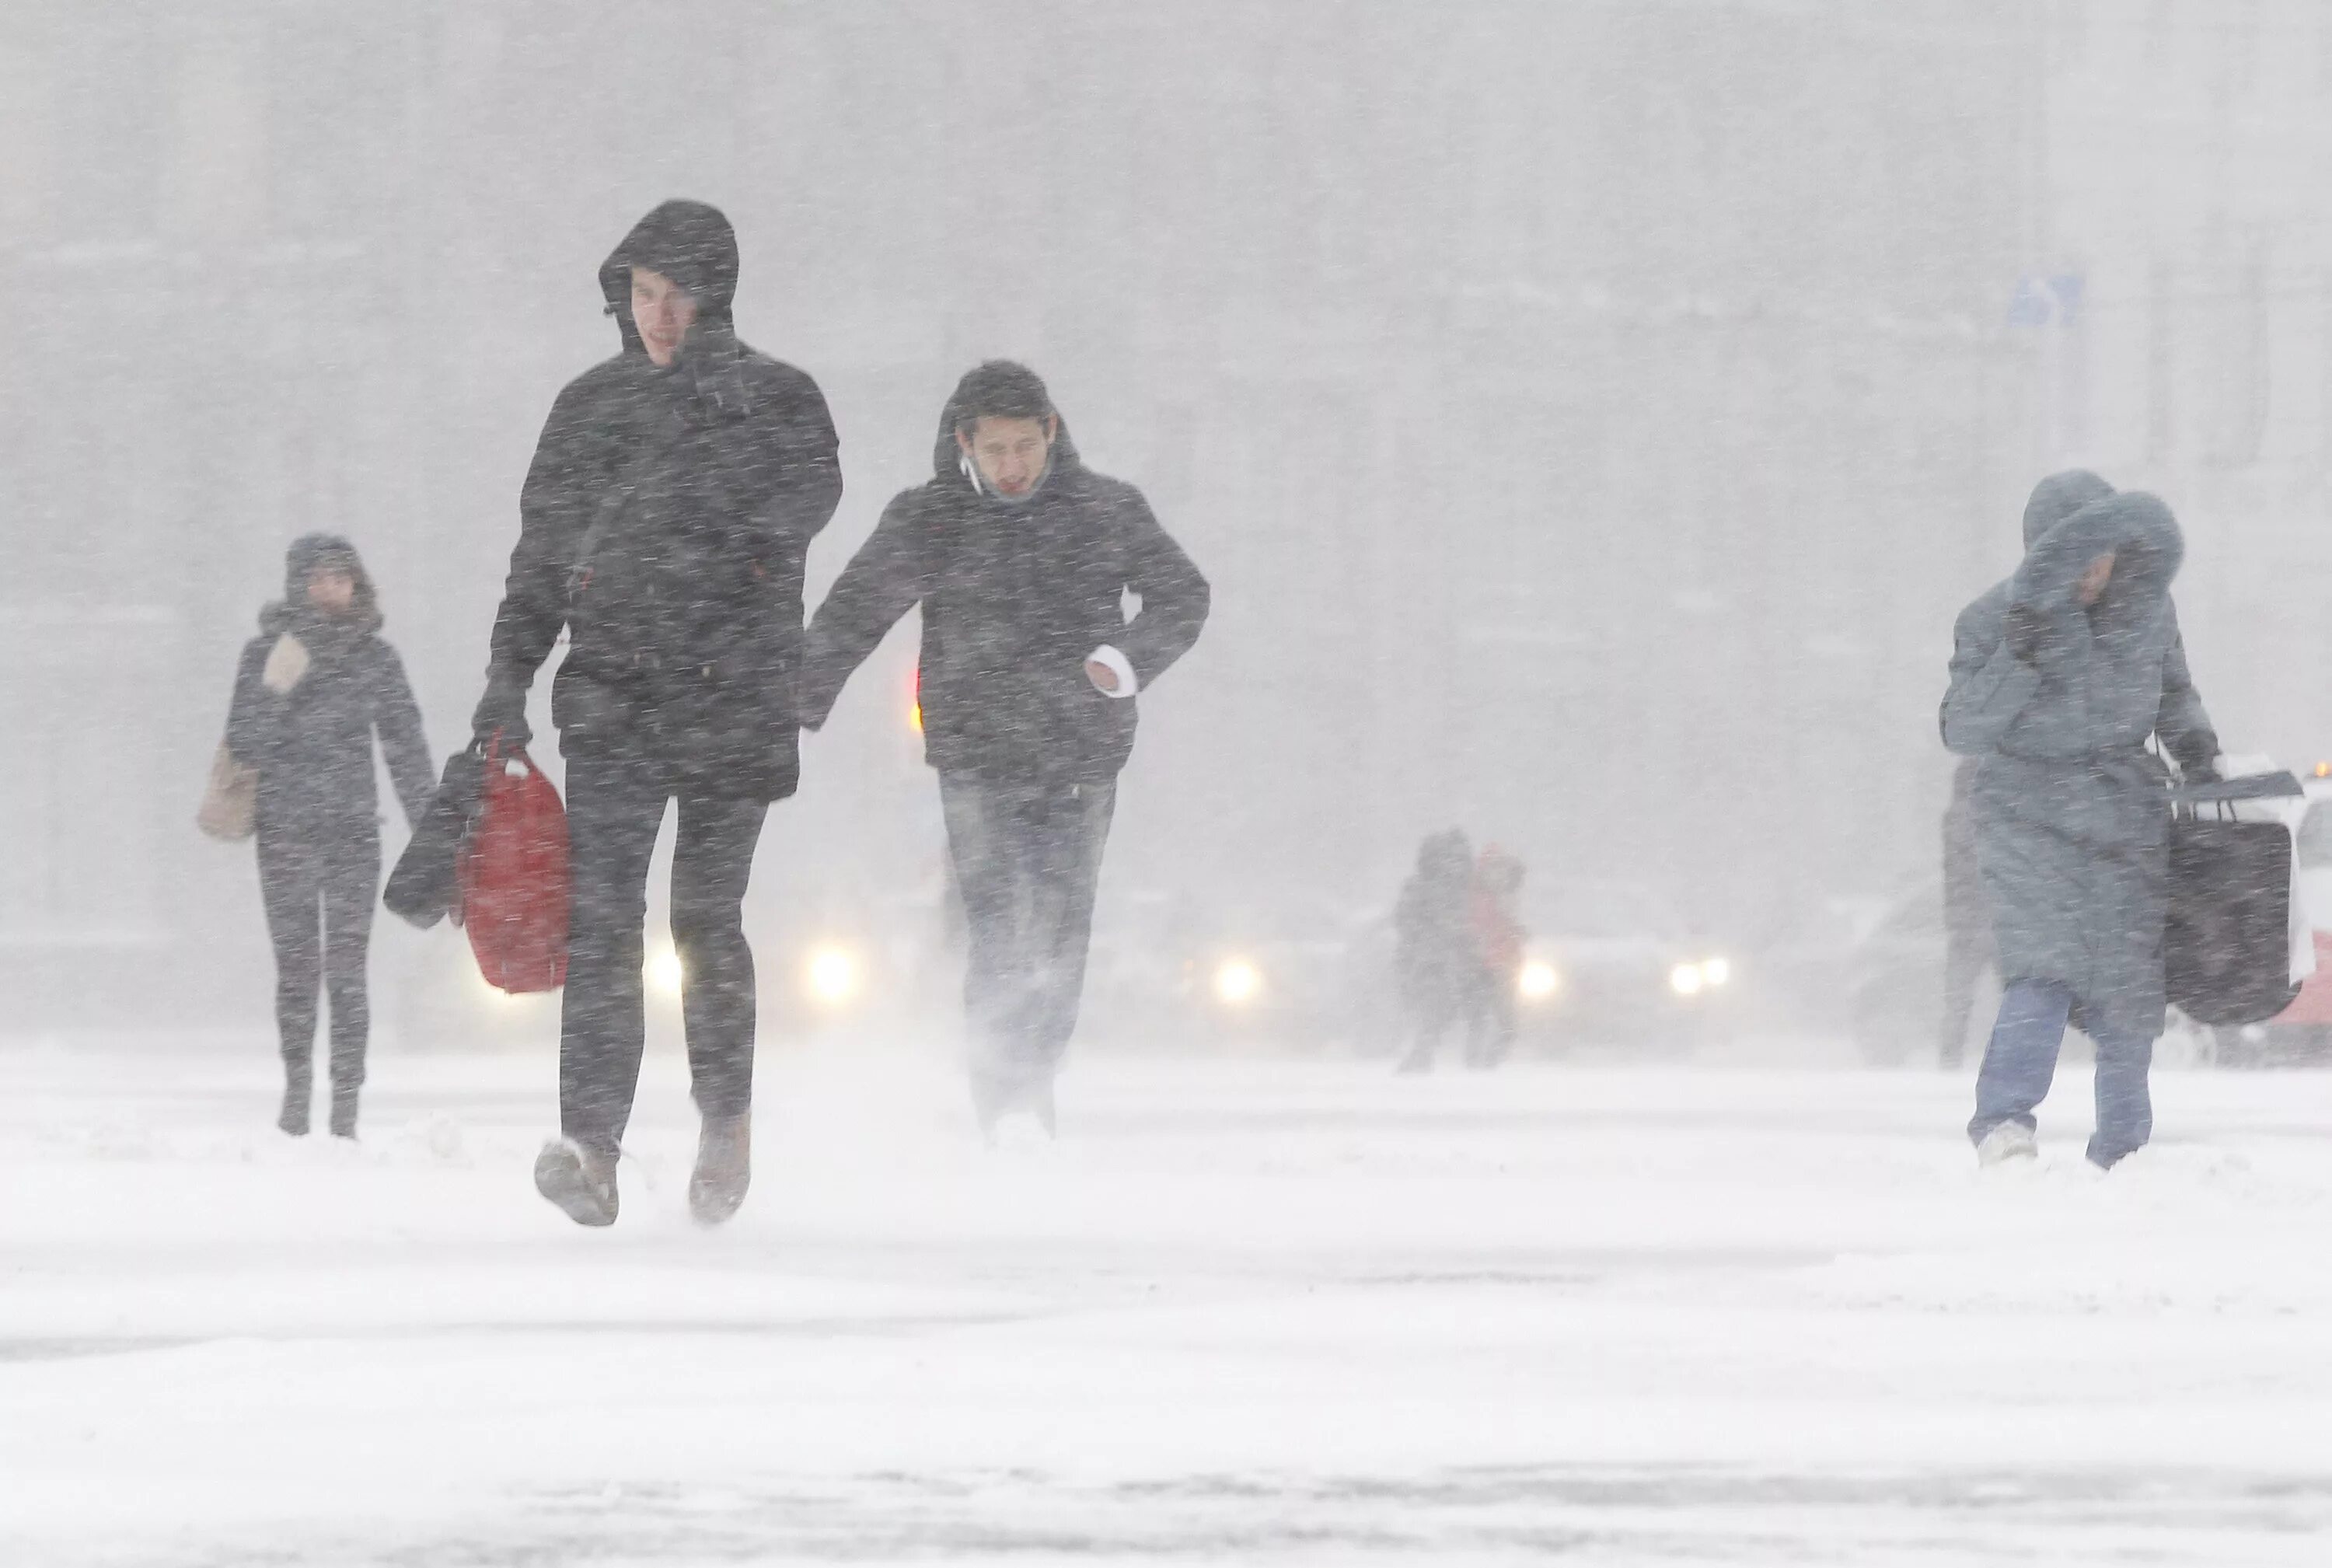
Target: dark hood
{"points": [[2057, 498], [691, 243], [1445, 857], [946, 458], [307, 552]]}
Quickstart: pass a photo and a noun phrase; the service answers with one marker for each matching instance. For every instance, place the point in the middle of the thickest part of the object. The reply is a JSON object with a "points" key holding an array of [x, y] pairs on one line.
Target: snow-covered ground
{"points": [[1275, 1311]]}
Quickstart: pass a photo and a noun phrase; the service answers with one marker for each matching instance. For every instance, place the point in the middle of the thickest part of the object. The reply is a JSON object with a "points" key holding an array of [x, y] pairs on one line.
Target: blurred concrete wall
{"points": [[2189, 221], [1592, 414]]}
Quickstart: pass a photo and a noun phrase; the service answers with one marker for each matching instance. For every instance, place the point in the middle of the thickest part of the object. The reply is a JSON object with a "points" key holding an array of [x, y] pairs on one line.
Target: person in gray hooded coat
{"points": [[2058, 678]]}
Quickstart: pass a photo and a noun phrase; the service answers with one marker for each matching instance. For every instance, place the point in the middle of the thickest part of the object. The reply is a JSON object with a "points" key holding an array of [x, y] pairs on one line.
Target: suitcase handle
{"points": [[2224, 796]]}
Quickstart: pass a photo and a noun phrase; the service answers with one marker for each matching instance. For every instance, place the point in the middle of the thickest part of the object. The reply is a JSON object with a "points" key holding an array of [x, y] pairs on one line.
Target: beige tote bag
{"points": [[230, 805]]}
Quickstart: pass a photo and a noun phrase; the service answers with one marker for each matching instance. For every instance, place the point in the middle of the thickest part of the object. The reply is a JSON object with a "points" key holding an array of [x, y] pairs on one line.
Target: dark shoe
{"points": [[724, 1168], [344, 1112], [581, 1181], [298, 1091]]}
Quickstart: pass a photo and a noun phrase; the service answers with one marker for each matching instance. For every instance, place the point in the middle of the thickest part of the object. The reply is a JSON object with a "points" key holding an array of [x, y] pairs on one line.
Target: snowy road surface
{"points": [[1283, 1312]]}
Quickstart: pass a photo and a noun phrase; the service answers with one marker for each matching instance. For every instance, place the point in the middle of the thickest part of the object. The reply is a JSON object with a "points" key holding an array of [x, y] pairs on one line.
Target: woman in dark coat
{"points": [[310, 690], [2059, 677]]}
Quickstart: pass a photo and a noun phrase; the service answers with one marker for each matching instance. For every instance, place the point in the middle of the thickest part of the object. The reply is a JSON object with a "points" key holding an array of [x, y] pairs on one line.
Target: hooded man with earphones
{"points": [[1022, 558]]}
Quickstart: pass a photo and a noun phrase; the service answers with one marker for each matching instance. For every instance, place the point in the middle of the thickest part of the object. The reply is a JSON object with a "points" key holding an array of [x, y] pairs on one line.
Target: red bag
{"points": [[514, 877]]}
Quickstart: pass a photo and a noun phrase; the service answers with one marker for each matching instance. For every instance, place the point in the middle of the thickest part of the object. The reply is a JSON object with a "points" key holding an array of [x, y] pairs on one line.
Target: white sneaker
{"points": [[1021, 1135], [2009, 1141]]}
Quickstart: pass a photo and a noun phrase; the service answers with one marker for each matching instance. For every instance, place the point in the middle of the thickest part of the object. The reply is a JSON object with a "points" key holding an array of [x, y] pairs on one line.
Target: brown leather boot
{"points": [[581, 1180], [724, 1168]]}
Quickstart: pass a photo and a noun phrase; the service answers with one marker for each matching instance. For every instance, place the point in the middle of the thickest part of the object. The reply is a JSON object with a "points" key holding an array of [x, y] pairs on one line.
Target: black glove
{"points": [[2026, 632], [503, 708]]}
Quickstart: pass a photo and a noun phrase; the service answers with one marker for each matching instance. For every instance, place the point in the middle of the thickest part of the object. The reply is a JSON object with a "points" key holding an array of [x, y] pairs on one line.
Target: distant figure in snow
{"points": [[1498, 937], [2059, 677], [1435, 954], [311, 692], [1022, 558], [662, 526]]}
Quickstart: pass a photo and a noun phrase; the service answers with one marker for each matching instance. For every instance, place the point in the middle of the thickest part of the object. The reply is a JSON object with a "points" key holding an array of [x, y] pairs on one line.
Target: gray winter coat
{"points": [[2072, 818]]}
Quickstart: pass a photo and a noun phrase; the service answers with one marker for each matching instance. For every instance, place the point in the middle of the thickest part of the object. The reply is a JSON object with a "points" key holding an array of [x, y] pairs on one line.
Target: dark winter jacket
{"points": [[1015, 596], [312, 745], [663, 524], [2071, 815]]}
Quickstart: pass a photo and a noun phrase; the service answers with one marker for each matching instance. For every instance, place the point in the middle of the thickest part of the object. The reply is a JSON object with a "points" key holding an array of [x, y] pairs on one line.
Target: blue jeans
{"points": [[2021, 1058]]}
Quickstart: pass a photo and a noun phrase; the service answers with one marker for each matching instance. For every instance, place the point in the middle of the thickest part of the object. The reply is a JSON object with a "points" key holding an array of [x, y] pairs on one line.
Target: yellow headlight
{"points": [[1686, 980], [832, 976], [1717, 971], [1538, 981], [1238, 982], [665, 973]]}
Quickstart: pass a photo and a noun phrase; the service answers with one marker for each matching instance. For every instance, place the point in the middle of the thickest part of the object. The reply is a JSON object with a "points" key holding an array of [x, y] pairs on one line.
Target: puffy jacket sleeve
{"points": [[888, 576], [553, 506], [1990, 686], [251, 712], [809, 464], [397, 718], [1175, 597], [2182, 725]]}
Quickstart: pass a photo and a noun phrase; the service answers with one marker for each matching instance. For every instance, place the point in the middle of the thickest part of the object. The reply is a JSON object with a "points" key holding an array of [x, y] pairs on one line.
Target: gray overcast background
{"points": [[1591, 414]]}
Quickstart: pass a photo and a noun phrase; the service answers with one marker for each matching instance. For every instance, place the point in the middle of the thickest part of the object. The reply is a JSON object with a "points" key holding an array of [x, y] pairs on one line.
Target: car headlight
{"points": [[1687, 979], [832, 976], [664, 972], [1238, 982], [1538, 981], [1717, 971]]}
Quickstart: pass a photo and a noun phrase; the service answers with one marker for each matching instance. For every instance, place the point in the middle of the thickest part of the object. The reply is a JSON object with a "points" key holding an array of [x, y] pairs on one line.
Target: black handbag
{"points": [[423, 890], [2226, 947]]}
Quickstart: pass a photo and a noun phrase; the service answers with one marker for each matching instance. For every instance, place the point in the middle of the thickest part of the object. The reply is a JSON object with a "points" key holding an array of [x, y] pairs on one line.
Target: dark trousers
{"points": [[319, 886], [2022, 1059], [1490, 1017], [1028, 859], [614, 807]]}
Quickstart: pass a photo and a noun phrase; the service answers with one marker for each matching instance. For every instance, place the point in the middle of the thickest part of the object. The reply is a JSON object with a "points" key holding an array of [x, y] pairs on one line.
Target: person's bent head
{"points": [[1005, 428]]}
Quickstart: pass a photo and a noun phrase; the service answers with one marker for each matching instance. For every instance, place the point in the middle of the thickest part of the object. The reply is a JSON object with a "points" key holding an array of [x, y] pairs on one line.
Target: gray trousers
{"points": [[1028, 860]]}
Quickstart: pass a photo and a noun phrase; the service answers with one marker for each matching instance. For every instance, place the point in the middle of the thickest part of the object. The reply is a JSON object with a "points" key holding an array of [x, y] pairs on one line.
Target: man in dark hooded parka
{"points": [[311, 691], [1022, 558], [664, 525], [2058, 678]]}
